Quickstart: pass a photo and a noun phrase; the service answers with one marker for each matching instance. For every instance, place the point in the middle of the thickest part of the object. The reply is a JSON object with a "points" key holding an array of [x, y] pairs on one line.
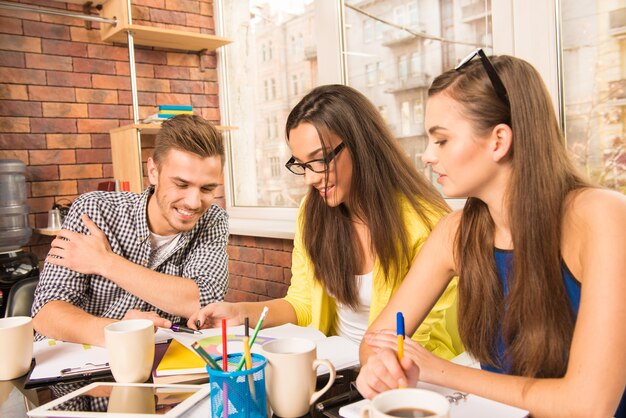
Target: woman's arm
{"points": [[593, 247]]}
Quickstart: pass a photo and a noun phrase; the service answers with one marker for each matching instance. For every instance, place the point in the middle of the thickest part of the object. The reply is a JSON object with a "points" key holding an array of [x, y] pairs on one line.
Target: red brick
{"points": [[251, 285], [22, 141], [52, 125], [145, 99], [238, 296], [96, 96], [96, 125], [178, 86], [270, 243], [19, 108], [115, 53], [276, 290], [14, 155], [287, 275], [48, 62], [141, 13], [13, 124], [11, 25], [15, 14], [58, 78], [68, 141], [12, 59], [155, 85], [93, 156], [204, 100], [272, 273], [251, 255], [52, 157], [103, 111], [166, 71], [53, 188], [198, 21], [159, 4], [171, 98], [94, 66], [42, 172], [81, 34], [142, 70], [241, 268], [51, 94], [82, 171], [111, 82], [164, 16], [183, 60], [277, 258], [22, 76], [211, 114], [206, 9], [209, 74], [65, 48], [150, 57], [209, 61], [288, 245], [101, 141], [243, 240], [64, 110], [61, 20], [183, 5], [39, 204], [46, 30], [20, 43], [13, 92]]}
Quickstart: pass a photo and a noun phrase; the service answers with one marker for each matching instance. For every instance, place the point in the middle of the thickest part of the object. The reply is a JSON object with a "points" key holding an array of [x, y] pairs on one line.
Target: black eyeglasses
{"points": [[496, 81], [317, 166]]}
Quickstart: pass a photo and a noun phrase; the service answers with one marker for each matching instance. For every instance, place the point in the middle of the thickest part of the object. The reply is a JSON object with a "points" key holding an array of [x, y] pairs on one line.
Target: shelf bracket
{"points": [[202, 53]]}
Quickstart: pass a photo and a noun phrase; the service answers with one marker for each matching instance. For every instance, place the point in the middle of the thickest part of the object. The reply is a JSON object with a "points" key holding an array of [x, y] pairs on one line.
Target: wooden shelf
{"points": [[153, 128], [151, 35]]}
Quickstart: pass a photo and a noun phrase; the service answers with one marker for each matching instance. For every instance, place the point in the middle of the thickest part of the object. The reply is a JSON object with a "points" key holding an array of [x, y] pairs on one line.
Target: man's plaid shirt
{"points": [[200, 255]]}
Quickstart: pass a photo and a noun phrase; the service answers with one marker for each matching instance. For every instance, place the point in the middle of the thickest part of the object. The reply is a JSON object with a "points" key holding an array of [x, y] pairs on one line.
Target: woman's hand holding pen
{"points": [[212, 314], [383, 371]]}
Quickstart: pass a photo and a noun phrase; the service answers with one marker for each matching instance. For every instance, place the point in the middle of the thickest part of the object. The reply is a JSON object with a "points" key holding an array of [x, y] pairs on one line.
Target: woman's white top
{"points": [[352, 324]]}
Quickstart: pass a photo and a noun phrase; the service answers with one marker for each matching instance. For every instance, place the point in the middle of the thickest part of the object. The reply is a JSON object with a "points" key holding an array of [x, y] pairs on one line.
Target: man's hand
{"points": [[156, 319], [81, 253]]}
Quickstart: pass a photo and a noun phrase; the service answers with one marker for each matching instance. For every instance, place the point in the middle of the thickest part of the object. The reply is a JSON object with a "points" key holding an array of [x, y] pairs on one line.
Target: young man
{"points": [[160, 255]]}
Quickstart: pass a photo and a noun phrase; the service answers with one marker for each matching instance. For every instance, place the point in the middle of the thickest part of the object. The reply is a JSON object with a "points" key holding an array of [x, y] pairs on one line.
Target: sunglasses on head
{"points": [[496, 81]]}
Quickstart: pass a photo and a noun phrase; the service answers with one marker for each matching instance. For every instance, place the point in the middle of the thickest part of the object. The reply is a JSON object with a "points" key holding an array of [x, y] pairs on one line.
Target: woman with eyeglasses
{"points": [[364, 219], [539, 253]]}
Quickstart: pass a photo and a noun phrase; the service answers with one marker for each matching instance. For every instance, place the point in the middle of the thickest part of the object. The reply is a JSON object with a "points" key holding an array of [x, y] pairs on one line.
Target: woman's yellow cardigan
{"points": [[313, 305]]}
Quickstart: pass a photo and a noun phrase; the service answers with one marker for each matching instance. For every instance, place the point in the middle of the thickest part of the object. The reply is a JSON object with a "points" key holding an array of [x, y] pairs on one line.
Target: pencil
{"points": [[224, 347], [248, 357], [205, 356], [254, 334]]}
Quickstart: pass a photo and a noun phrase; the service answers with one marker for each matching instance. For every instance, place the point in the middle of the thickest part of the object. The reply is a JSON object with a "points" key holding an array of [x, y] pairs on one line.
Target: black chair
{"points": [[21, 295]]}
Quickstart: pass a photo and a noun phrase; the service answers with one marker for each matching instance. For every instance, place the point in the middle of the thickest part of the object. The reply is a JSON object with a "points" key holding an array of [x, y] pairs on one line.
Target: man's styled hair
{"points": [[190, 133]]}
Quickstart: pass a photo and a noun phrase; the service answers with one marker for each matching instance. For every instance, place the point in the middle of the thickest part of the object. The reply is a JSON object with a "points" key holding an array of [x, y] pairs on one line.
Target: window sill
{"points": [[267, 228]]}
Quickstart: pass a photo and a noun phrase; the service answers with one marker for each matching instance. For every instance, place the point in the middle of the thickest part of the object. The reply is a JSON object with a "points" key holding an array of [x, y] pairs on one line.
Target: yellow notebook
{"points": [[178, 359]]}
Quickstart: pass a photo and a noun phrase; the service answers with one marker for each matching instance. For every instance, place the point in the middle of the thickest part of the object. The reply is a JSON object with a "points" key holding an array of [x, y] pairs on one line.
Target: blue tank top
{"points": [[504, 265]]}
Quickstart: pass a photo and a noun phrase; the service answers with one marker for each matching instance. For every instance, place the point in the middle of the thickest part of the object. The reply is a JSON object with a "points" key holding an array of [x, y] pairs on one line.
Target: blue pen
{"points": [[400, 334]]}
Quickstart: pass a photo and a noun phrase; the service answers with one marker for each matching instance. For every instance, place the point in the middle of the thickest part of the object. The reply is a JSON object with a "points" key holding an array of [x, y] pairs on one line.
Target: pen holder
{"points": [[243, 391]]}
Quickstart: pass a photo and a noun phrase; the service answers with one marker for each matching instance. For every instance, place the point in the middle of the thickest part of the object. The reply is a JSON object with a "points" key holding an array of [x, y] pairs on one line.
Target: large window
{"points": [[390, 50]]}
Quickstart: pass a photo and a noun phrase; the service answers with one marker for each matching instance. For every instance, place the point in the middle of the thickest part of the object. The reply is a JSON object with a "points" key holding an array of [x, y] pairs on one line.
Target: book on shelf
{"points": [[175, 112], [180, 359], [175, 107]]}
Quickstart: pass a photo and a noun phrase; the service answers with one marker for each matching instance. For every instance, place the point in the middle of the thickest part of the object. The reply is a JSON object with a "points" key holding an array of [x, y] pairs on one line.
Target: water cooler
{"points": [[15, 231]]}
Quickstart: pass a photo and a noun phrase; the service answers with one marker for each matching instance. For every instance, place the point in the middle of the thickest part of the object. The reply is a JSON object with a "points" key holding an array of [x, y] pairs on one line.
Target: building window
{"points": [[405, 118], [294, 84], [275, 167], [380, 66], [416, 64], [368, 31], [370, 72], [403, 67]]}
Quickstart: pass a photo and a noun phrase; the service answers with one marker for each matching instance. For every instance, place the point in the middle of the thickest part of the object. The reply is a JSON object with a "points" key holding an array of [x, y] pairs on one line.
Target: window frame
{"points": [[510, 21]]}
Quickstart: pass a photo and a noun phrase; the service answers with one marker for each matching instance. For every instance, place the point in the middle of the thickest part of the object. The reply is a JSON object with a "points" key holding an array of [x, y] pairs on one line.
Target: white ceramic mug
{"points": [[398, 403], [130, 348], [16, 347], [290, 375]]}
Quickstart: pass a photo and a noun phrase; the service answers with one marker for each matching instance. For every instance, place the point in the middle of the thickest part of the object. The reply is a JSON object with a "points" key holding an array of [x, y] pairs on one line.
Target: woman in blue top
{"points": [[540, 254]]}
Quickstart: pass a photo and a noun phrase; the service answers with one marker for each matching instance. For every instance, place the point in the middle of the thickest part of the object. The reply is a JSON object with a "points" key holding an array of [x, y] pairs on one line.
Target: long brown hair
{"points": [[535, 319], [381, 173]]}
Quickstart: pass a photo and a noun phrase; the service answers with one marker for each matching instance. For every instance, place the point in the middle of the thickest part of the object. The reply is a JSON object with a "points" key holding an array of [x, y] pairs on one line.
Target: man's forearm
{"points": [[175, 295], [63, 321]]}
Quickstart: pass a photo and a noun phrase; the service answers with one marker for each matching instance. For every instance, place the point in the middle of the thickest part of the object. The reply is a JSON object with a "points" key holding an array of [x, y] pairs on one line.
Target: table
{"points": [[15, 401]]}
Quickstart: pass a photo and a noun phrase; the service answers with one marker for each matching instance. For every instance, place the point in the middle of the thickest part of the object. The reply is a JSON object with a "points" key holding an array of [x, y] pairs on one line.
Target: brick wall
{"points": [[62, 90]]}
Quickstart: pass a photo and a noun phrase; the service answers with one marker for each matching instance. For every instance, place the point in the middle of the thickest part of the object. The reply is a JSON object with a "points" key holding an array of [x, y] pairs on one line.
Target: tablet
{"points": [[127, 400]]}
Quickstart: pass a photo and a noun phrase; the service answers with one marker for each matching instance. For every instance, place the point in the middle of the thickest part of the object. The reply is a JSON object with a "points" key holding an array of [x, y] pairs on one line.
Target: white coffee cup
{"points": [[290, 375], [397, 403], [130, 347], [16, 347]]}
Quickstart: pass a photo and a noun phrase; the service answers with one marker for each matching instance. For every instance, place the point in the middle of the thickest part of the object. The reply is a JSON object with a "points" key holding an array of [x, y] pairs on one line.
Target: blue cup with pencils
{"points": [[238, 393]]}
